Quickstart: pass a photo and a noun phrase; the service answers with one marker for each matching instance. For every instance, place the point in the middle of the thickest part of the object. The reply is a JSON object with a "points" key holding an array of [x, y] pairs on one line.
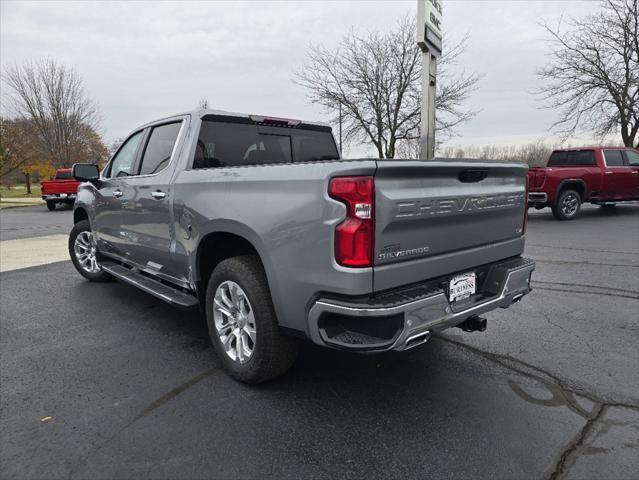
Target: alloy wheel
{"points": [[569, 204], [85, 252], [234, 321]]}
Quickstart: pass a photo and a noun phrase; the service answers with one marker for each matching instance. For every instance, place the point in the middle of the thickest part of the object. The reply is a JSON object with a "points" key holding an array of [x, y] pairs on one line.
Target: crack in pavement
{"points": [[572, 262], [583, 285], [507, 361], [566, 459], [580, 249], [586, 292], [164, 399], [560, 391]]}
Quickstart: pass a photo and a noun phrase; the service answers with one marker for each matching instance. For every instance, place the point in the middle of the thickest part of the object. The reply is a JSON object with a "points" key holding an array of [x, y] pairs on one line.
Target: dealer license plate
{"points": [[461, 286]]}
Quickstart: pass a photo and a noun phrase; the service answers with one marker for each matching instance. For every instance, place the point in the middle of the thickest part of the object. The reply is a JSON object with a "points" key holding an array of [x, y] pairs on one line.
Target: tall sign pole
{"points": [[429, 39]]}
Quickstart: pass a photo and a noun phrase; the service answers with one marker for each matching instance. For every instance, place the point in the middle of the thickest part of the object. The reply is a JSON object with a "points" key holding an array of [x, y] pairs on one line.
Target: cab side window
{"points": [[633, 158], [123, 162], [613, 158], [159, 148]]}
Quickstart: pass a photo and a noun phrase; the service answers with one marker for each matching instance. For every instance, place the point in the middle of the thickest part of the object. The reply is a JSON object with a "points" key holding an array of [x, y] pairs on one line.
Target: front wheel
{"points": [[242, 322], [51, 205], [567, 206], [84, 254]]}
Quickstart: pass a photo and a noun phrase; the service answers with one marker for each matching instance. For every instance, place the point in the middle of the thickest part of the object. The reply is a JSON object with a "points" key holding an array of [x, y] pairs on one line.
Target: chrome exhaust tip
{"points": [[417, 339]]}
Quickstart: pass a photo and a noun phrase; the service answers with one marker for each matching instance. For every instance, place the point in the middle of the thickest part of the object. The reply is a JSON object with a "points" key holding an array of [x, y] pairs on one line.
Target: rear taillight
{"points": [[540, 177], [354, 237]]}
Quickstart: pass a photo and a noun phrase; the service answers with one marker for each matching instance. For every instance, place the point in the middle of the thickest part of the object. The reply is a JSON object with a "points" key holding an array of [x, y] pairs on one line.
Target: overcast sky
{"points": [[141, 61]]}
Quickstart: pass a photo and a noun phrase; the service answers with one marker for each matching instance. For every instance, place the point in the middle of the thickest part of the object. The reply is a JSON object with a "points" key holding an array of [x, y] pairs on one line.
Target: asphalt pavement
{"points": [[104, 381], [36, 221]]}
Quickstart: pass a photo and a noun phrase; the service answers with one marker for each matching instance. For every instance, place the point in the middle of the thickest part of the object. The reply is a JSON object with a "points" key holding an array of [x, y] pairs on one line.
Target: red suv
{"points": [[599, 175]]}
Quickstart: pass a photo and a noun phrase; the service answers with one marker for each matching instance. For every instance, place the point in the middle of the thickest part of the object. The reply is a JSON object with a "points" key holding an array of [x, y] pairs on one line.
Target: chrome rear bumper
{"points": [[505, 283], [60, 196]]}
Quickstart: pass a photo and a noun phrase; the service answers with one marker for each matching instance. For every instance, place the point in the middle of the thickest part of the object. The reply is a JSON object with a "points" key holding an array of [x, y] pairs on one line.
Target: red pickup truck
{"points": [[599, 175], [63, 188]]}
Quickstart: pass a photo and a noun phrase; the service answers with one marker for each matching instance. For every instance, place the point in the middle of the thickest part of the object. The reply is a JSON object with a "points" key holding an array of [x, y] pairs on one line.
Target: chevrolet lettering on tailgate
{"points": [[438, 206]]}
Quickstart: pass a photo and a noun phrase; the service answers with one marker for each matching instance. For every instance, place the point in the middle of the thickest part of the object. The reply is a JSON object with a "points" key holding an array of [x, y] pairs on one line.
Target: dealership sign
{"points": [[429, 25]]}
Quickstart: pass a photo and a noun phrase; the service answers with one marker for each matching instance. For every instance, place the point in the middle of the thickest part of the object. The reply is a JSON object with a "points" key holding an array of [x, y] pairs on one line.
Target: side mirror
{"points": [[86, 172]]}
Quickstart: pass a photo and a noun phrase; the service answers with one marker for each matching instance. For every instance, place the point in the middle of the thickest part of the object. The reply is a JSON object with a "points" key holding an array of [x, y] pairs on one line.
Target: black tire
{"points": [[99, 276], [273, 353], [51, 205], [567, 205]]}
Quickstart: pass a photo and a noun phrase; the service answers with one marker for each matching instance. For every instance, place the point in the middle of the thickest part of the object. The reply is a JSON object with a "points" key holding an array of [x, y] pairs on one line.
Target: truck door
{"points": [[633, 162], [107, 220], [145, 213], [617, 176]]}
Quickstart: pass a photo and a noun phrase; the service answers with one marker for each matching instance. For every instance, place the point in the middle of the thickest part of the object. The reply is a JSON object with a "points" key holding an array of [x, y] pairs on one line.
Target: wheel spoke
{"points": [[233, 290], [225, 329], [220, 307], [239, 346], [225, 296], [250, 331], [226, 341], [244, 306]]}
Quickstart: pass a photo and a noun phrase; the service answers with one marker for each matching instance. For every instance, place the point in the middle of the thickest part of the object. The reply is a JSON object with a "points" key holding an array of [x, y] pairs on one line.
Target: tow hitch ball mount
{"points": [[473, 324]]}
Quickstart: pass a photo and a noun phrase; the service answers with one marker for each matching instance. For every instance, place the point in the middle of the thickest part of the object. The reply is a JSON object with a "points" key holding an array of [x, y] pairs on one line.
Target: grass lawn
{"points": [[20, 191], [11, 205]]}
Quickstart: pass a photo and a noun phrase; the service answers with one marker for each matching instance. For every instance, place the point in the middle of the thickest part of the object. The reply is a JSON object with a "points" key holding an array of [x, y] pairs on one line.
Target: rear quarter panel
{"points": [[287, 215], [556, 177]]}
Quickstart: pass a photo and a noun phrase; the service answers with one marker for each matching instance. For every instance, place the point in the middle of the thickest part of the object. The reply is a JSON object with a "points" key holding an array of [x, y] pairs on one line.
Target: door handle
{"points": [[609, 173], [158, 195], [118, 193]]}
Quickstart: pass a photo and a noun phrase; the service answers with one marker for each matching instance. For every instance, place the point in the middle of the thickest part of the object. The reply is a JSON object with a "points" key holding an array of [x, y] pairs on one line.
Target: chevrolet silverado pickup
{"points": [[258, 222], [62, 188], [599, 175]]}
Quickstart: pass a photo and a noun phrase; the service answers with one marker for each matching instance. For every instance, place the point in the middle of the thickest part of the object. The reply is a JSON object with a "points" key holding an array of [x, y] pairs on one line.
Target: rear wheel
{"points": [[567, 206], [51, 205], [242, 323], [84, 254]]}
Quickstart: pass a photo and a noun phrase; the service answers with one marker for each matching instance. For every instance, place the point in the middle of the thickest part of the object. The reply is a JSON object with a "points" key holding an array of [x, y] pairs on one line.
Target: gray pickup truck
{"points": [[258, 222]]}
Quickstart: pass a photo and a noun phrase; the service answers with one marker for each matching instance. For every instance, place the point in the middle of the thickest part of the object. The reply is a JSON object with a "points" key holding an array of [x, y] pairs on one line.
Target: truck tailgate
{"points": [[52, 187], [439, 217]]}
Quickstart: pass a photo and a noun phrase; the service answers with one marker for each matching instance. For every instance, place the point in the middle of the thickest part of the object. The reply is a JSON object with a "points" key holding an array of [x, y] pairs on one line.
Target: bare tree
{"points": [[376, 80], [52, 97], [16, 149], [533, 154], [592, 77], [202, 103]]}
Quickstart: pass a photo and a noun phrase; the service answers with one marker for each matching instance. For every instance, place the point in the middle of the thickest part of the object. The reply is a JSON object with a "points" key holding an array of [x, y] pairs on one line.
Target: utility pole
{"points": [[340, 129], [429, 40]]}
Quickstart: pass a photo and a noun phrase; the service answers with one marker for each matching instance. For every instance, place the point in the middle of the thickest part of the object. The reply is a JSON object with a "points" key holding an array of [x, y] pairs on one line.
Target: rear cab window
{"points": [[66, 175], [572, 158], [242, 142]]}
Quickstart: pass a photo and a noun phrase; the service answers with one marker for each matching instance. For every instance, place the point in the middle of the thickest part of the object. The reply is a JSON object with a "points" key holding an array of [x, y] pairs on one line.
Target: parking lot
{"points": [[105, 381]]}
